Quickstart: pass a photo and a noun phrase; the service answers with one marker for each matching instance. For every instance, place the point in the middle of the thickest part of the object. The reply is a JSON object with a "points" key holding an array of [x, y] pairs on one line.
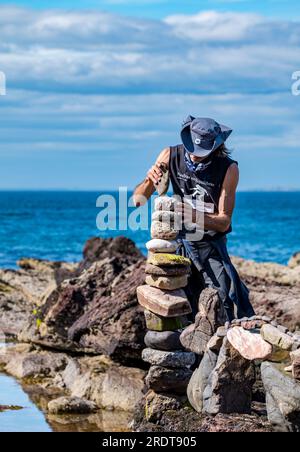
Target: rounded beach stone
{"points": [[163, 231], [163, 340], [162, 246], [168, 217], [163, 270], [250, 345], [276, 337], [168, 359], [168, 260], [162, 379], [165, 203], [167, 282], [156, 322]]}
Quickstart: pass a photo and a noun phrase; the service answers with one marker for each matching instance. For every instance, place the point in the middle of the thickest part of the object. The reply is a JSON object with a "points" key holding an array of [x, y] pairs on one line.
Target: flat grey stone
{"points": [[168, 359]]}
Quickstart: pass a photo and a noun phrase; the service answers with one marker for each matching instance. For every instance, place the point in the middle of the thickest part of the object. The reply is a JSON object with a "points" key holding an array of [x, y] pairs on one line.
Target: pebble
{"points": [[164, 340], [167, 282], [162, 246]]}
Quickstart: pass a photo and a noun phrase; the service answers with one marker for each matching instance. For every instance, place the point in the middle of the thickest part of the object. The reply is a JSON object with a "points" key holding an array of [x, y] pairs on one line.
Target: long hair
{"points": [[223, 151]]}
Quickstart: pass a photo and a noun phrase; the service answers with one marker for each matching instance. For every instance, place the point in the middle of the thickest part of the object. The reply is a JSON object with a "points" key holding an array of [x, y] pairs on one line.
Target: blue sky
{"points": [[96, 91]]}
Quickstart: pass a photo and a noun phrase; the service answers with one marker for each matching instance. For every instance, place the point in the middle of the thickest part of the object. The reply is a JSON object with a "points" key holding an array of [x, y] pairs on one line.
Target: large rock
{"points": [[210, 316], [249, 344], [168, 359], [161, 379], [162, 246], [199, 380], [277, 338], [164, 340], [167, 282], [156, 322], [164, 303], [157, 404], [164, 270], [166, 259], [163, 231], [229, 388], [96, 312], [282, 397]]}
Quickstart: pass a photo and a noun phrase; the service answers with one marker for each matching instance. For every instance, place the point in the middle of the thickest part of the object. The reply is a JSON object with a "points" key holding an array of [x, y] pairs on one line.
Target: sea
{"points": [[55, 225]]}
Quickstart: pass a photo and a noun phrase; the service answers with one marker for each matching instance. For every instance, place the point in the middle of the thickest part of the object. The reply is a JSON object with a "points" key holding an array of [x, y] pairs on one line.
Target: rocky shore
{"points": [[78, 334]]}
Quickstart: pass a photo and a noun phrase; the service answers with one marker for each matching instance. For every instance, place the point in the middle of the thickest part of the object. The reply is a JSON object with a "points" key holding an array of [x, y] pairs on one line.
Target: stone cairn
{"points": [[240, 357], [165, 306]]}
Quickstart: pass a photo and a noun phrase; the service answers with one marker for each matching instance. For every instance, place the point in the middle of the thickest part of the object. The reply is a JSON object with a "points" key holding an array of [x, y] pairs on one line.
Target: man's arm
{"points": [[220, 222], [146, 189]]}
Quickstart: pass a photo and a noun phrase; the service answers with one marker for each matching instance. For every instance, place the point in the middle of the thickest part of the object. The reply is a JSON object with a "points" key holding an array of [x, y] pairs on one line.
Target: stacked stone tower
{"points": [[165, 303]]}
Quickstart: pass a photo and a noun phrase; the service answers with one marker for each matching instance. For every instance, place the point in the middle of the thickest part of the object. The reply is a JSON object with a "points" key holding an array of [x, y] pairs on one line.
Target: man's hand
{"points": [[155, 173]]}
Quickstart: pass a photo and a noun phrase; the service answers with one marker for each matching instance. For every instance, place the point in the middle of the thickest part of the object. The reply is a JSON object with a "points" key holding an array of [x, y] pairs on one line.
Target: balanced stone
{"points": [[156, 322], [164, 231], [275, 337], [163, 270], [167, 282], [162, 246], [168, 217], [162, 379], [164, 303], [163, 340], [166, 203], [168, 359], [168, 260], [249, 344]]}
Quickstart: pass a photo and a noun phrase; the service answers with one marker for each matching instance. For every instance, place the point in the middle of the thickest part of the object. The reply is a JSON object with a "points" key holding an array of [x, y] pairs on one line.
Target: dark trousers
{"points": [[212, 267]]}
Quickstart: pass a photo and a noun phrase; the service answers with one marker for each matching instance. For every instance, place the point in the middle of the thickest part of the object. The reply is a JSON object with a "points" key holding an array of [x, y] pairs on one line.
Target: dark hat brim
{"points": [[200, 151]]}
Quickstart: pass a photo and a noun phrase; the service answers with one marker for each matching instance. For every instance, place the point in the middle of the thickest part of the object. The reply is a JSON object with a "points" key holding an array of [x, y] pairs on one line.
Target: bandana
{"points": [[194, 167]]}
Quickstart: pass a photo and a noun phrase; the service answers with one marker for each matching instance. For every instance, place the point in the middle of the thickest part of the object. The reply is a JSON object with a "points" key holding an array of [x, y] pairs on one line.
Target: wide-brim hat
{"points": [[202, 136]]}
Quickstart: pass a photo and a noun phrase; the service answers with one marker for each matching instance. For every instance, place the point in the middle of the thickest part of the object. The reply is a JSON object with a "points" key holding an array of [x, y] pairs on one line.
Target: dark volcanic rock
{"points": [[97, 312], [161, 379], [209, 318], [97, 249], [163, 340], [229, 388]]}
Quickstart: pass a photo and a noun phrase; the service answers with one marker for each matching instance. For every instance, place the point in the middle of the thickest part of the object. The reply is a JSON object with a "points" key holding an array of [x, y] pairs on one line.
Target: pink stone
{"points": [[250, 345]]}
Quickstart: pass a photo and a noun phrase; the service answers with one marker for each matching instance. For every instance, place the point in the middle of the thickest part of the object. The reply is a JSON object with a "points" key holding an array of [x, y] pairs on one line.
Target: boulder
{"points": [[156, 322], [199, 380], [164, 340], [96, 312], [168, 359], [157, 404], [249, 344], [163, 231], [167, 282], [210, 316], [162, 246], [164, 303], [229, 387], [71, 405], [161, 379], [168, 260], [163, 270], [282, 398], [277, 338]]}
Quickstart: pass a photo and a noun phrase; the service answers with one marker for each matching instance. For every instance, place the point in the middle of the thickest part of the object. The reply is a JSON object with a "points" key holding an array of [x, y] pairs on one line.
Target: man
{"points": [[200, 170]]}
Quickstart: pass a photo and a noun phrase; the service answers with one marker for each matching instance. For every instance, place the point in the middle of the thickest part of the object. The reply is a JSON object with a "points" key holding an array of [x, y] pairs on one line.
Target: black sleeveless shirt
{"points": [[205, 183]]}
